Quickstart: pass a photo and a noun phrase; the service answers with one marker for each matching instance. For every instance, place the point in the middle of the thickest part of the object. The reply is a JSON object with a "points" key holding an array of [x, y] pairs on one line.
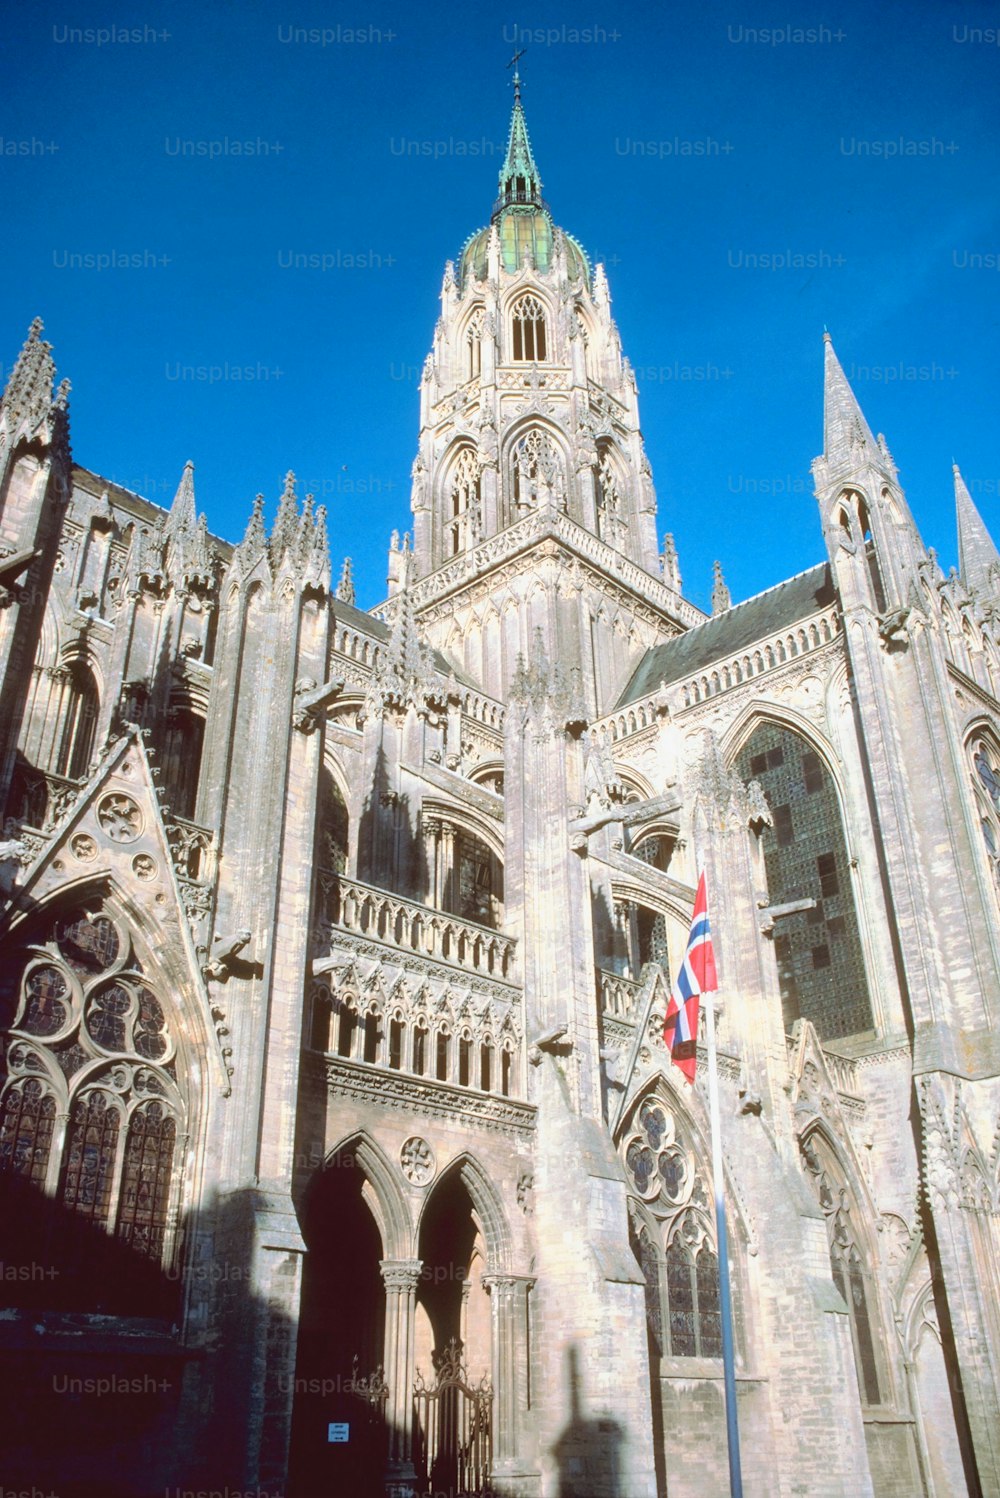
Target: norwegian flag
{"points": [[697, 976]]}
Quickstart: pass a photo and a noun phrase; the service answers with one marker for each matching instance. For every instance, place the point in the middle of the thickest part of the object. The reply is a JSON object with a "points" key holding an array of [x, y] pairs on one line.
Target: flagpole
{"points": [[725, 1298]]}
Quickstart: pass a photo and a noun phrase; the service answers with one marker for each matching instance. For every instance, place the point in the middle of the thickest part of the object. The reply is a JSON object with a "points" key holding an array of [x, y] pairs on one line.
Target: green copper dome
{"points": [[521, 215]]}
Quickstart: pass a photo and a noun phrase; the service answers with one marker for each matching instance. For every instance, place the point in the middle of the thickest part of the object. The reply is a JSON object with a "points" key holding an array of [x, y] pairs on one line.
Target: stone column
{"points": [[400, 1277], [447, 872], [511, 1393], [432, 844]]}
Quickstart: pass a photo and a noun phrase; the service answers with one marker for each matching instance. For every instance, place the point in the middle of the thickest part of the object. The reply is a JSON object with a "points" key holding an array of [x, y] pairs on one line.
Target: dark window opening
{"points": [[813, 768], [396, 1044], [826, 868], [783, 829]]}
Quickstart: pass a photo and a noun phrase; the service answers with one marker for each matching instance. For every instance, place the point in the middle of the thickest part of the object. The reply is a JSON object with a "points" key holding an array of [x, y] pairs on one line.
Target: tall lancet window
{"points": [[462, 504], [537, 473], [611, 525], [528, 331], [80, 707], [474, 345], [821, 964], [848, 1259]]}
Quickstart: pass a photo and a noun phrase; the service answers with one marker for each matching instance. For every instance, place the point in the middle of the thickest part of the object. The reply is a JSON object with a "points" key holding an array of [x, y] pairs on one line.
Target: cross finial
{"points": [[517, 76]]}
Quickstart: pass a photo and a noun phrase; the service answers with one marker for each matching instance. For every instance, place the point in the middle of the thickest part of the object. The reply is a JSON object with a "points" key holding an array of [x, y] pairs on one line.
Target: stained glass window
{"points": [[682, 1281], [806, 857], [145, 1188], [84, 1002], [91, 1147], [26, 1131]]}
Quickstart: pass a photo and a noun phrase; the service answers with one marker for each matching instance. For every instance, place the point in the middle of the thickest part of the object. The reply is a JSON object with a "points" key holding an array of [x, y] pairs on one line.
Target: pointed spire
{"points": [[519, 179], [721, 596], [847, 436], [286, 522], [320, 561], [254, 543], [183, 514], [345, 588], [28, 396], [307, 534], [978, 558], [671, 564]]}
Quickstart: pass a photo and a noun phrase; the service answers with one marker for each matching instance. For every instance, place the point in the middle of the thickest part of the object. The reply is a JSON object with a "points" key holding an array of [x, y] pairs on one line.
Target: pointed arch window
{"points": [[528, 332], [462, 504], [81, 705], [86, 1038], [985, 779], [183, 741], [538, 476], [26, 1125], [672, 1236], [821, 966], [848, 1263], [611, 524], [332, 824], [474, 345]]}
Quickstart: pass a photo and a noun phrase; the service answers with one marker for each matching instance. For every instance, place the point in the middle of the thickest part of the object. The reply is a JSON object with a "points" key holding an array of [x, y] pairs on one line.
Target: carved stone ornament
{"points": [[120, 818], [84, 847], [417, 1160], [144, 867]]}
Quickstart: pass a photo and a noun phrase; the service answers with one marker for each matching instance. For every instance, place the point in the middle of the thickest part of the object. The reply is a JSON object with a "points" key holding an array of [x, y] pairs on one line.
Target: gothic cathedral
{"points": [[339, 1148]]}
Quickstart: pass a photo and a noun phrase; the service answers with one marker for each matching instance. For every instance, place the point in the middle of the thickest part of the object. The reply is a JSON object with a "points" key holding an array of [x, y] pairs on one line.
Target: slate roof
{"points": [[725, 635]]}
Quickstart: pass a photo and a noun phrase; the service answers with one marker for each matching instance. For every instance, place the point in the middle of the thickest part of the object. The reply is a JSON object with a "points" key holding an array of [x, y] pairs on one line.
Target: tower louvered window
{"points": [[528, 341], [537, 473], [462, 504], [474, 344], [611, 526]]}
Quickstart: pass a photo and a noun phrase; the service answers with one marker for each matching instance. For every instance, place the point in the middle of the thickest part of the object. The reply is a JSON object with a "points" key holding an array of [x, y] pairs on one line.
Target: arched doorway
{"points": [[341, 1341], [452, 1431]]}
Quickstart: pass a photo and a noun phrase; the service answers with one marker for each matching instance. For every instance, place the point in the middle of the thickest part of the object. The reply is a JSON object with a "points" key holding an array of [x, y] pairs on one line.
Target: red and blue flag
{"points": [[697, 976]]}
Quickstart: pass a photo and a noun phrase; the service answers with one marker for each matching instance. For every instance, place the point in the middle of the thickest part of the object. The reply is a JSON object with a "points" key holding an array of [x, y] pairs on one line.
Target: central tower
{"points": [[529, 436]]}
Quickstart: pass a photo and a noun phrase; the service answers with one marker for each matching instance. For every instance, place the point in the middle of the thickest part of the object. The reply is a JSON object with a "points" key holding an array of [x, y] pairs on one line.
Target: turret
{"points": [[872, 538], [34, 489], [978, 558]]}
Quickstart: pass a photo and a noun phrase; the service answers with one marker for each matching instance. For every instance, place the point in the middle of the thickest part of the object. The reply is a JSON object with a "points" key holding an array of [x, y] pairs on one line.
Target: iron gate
{"points": [[453, 1428]]}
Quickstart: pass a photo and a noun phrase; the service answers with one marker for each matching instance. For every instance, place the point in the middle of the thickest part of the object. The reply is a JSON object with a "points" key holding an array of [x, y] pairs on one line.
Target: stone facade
{"points": [[338, 945]]}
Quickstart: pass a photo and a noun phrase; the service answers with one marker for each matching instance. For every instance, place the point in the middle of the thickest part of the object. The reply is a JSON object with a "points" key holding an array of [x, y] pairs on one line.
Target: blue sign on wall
{"points": [[338, 1432]]}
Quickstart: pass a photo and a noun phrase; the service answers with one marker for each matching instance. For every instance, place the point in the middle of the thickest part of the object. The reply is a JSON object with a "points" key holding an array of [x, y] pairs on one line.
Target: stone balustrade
{"points": [[349, 905]]}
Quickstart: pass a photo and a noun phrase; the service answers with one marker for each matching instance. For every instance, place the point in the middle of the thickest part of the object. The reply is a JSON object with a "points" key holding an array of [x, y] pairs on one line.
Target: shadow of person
{"points": [[588, 1452]]}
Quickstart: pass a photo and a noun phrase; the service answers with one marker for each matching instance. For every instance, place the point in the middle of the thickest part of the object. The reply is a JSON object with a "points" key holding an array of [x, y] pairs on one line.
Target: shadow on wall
{"points": [[102, 1396], [589, 1452]]}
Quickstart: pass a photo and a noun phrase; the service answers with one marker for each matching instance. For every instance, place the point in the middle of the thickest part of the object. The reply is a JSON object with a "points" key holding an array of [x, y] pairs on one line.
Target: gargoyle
{"points": [[892, 625], [311, 699], [225, 951], [554, 1041]]}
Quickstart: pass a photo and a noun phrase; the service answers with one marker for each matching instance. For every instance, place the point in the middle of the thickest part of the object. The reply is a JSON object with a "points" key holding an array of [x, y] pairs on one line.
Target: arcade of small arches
{"points": [[440, 1042]]}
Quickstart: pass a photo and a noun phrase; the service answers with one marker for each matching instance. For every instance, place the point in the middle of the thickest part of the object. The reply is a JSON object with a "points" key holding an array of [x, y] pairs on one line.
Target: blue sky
{"points": [[747, 178]]}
